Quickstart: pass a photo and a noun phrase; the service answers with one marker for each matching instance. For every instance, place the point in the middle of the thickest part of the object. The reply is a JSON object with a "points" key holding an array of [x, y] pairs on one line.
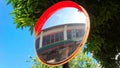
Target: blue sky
{"points": [[65, 16], [16, 45]]}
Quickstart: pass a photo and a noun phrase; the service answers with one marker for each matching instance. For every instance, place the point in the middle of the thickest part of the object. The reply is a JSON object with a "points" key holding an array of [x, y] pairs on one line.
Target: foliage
{"points": [[80, 61], [27, 12], [104, 38], [103, 41], [36, 64]]}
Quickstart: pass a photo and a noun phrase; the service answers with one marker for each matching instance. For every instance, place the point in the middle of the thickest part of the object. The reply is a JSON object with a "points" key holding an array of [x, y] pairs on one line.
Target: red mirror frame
{"points": [[41, 21]]}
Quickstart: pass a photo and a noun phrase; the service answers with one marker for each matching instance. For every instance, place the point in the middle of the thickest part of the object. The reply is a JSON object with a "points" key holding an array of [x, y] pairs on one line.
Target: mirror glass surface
{"points": [[61, 35]]}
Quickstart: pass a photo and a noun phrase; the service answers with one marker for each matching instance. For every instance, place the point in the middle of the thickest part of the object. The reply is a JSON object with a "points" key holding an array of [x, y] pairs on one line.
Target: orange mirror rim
{"points": [[41, 21]]}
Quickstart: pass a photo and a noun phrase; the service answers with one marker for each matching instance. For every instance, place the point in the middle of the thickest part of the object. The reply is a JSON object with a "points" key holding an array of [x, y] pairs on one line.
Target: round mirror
{"points": [[62, 33]]}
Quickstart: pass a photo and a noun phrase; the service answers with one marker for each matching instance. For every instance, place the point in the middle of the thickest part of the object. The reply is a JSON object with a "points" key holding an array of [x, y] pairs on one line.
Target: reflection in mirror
{"points": [[61, 35], [66, 16]]}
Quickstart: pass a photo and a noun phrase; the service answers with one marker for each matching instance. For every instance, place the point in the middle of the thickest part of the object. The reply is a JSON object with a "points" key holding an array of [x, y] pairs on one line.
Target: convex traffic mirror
{"points": [[61, 33]]}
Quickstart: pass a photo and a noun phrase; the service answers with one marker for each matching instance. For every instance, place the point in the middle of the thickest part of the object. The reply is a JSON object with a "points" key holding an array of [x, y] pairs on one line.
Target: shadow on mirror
{"points": [[61, 35]]}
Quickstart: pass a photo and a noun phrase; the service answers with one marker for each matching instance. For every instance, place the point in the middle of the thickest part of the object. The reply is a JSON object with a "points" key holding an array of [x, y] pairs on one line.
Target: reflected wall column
{"points": [[65, 32], [66, 50]]}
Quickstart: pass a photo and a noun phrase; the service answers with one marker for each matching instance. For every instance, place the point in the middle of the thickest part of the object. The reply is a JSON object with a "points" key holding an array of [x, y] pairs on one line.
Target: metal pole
{"points": [[65, 65]]}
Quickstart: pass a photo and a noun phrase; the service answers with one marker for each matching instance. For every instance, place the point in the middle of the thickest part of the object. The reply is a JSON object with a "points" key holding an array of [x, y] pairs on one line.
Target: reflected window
{"points": [[61, 36], [73, 34], [82, 32], [57, 37], [68, 34], [78, 33], [37, 43], [52, 38], [46, 40]]}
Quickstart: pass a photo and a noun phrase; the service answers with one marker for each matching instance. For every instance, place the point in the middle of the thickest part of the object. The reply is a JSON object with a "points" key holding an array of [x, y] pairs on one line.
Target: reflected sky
{"points": [[65, 16]]}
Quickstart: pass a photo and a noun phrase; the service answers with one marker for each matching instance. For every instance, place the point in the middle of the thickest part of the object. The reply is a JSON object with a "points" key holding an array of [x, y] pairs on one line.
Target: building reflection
{"points": [[56, 43]]}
